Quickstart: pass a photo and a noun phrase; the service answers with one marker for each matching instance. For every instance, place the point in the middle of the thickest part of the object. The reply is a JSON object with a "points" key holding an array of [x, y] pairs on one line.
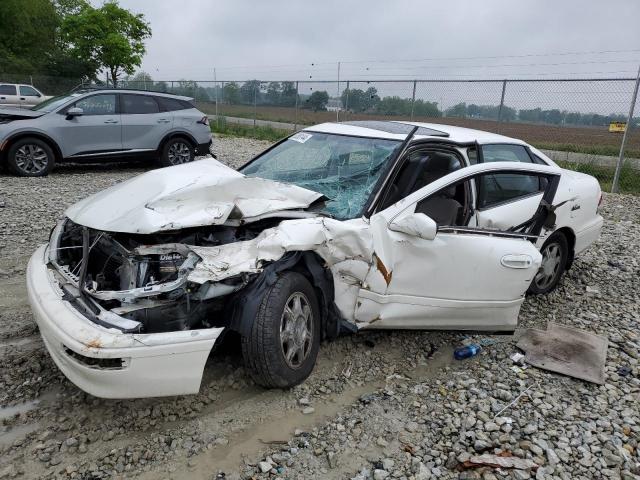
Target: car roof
{"points": [[398, 130], [131, 90]]}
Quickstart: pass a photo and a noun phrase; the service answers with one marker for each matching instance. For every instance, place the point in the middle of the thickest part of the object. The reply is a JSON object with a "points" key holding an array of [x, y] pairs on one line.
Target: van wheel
{"points": [[555, 252], [283, 344], [176, 152], [30, 157]]}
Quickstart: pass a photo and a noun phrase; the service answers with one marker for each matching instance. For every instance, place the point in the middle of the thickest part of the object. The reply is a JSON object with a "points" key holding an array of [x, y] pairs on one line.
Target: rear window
{"points": [[171, 104], [139, 104], [7, 89], [505, 153]]}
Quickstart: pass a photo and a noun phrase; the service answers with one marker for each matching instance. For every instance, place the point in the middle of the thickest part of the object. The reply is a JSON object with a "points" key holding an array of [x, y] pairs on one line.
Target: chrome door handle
{"points": [[516, 261], [111, 121]]}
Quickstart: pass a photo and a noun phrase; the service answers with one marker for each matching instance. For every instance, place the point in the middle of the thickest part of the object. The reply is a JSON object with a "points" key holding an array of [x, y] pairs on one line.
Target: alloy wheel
{"points": [[179, 152], [31, 158], [296, 329]]}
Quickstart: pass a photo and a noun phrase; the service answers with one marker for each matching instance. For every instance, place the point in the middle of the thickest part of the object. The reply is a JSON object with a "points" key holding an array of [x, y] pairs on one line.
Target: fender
{"points": [[30, 133], [177, 133]]}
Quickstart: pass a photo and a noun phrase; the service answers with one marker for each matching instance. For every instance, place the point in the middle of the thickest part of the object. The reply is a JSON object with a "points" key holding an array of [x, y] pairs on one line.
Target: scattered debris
{"points": [[467, 351], [518, 358], [592, 290], [566, 350]]}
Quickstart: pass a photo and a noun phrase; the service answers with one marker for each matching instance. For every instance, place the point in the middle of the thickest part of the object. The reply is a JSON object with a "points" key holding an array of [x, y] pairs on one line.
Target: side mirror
{"points": [[416, 225], [74, 112]]}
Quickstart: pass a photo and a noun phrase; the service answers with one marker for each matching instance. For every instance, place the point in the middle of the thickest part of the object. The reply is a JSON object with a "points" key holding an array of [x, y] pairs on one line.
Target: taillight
{"points": [[204, 120]]}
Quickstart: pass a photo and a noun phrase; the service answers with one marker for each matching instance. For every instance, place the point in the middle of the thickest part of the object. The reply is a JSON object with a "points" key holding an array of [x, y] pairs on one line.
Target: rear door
{"points": [[9, 95], [461, 277], [144, 124], [505, 199]]}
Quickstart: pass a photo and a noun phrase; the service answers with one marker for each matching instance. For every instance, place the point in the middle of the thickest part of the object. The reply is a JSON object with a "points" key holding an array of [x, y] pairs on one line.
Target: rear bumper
{"points": [[588, 235], [204, 148], [106, 362]]}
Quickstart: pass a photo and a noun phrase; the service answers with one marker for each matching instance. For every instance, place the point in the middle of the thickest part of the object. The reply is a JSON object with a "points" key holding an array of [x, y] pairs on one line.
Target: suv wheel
{"points": [[555, 252], [30, 157], [283, 345], [176, 152]]}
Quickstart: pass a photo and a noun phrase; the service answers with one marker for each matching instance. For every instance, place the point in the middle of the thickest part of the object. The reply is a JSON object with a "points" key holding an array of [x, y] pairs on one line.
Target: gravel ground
{"points": [[378, 405]]}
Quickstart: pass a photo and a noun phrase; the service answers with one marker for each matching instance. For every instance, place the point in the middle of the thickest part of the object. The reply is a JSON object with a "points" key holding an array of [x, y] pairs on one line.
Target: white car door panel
{"points": [[505, 216], [464, 277]]}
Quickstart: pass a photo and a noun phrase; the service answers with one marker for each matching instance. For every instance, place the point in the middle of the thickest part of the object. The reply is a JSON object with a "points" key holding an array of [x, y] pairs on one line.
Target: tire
{"points": [[176, 152], [555, 253], [281, 349], [30, 157]]}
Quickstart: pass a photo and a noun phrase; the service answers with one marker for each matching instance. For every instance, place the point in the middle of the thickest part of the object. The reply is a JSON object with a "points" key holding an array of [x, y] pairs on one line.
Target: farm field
{"points": [[589, 140]]}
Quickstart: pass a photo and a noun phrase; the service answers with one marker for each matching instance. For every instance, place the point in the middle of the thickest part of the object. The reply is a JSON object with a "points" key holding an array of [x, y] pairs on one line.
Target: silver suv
{"points": [[105, 124]]}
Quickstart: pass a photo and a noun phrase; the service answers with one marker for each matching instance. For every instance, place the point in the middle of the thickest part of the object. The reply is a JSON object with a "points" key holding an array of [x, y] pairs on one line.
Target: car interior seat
{"points": [[442, 207]]}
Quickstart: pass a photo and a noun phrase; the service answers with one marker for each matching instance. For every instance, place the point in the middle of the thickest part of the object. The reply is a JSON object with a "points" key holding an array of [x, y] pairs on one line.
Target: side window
{"points": [[505, 153], [27, 91], [497, 188], [170, 104], [7, 89], [98, 104], [138, 104]]}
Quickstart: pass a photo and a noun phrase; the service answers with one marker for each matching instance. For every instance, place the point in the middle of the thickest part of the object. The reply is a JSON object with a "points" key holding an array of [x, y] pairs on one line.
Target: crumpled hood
{"points": [[199, 193]]}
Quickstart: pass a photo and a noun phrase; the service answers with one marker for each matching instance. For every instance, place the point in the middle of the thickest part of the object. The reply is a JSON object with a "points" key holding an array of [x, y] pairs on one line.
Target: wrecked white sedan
{"points": [[360, 225]]}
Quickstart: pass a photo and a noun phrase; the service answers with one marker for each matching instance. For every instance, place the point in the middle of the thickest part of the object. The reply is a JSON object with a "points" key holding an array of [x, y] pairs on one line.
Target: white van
{"points": [[16, 95]]}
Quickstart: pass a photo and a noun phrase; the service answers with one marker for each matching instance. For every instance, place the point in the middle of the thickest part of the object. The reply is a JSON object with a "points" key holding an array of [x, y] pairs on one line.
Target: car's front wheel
{"points": [[283, 344], [555, 252], [176, 152], [30, 157]]}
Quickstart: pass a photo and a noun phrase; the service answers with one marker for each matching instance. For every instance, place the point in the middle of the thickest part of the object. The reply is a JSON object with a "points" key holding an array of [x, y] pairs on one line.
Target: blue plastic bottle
{"points": [[467, 351]]}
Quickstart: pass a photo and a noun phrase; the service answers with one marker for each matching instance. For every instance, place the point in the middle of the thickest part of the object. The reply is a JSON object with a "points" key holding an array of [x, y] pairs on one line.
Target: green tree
{"points": [[274, 91], [458, 110], [27, 29], [288, 94], [248, 90], [318, 100], [110, 36], [231, 93]]}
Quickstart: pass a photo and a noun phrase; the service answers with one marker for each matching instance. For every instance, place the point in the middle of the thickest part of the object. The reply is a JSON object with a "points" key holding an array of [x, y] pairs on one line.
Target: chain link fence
{"points": [[575, 121]]}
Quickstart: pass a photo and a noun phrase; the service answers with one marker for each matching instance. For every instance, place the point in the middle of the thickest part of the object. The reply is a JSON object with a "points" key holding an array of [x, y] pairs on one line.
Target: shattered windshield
{"points": [[344, 169]]}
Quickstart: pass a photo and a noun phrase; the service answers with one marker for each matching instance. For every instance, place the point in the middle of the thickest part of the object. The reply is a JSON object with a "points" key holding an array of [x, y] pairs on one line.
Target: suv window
{"points": [[505, 153], [7, 89], [104, 104], [27, 91], [497, 188], [138, 104], [172, 104]]}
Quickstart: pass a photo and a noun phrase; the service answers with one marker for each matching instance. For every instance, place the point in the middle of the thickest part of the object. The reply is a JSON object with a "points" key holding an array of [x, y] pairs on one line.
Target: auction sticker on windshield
{"points": [[301, 137]]}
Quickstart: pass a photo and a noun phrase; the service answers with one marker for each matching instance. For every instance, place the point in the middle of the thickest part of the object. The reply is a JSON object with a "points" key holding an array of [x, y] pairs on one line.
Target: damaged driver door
{"points": [[450, 275]]}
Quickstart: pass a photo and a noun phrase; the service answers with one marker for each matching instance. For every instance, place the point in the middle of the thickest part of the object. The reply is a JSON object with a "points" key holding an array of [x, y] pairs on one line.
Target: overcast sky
{"points": [[279, 39]]}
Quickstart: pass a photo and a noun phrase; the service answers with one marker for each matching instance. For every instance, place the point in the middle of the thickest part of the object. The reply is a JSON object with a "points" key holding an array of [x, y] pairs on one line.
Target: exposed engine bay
{"points": [[138, 283]]}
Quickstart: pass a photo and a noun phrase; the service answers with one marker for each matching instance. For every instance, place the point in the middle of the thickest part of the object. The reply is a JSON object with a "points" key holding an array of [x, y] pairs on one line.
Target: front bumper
{"points": [[106, 362]]}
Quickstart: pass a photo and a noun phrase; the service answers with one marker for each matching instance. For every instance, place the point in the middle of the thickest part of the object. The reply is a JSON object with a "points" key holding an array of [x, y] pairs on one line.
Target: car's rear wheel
{"points": [[282, 347], [555, 252], [30, 157], [176, 152]]}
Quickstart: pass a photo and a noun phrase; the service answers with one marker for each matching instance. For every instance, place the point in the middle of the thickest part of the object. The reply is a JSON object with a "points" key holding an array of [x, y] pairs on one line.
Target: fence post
{"points": [[504, 88], [346, 101], [413, 98], [616, 177], [295, 125], [255, 109]]}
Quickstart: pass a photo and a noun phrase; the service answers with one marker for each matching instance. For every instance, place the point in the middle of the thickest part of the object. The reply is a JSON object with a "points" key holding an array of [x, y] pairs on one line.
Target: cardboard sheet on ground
{"points": [[566, 350]]}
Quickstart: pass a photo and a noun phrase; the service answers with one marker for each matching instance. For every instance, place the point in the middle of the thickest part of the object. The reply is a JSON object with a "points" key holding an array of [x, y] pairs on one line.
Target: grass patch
{"points": [[629, 176], [248, 131], [607, 150]]}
